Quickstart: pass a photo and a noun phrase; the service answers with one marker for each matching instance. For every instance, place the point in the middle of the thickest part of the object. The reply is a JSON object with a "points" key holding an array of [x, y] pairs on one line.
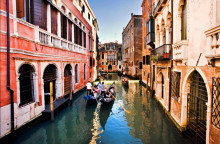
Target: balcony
{"points": [[162, 53], [180, 50], [46, 38], [159, 7], [213, 43], [150, 31]]}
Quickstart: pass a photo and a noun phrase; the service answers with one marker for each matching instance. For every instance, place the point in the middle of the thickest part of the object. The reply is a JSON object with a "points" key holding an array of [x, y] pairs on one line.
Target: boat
{"points": [[94, 97], [110, 94]]}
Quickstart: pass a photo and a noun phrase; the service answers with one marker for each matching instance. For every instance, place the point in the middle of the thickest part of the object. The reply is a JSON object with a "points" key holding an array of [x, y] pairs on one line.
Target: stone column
{"points": [[35, 85], [48, 18], [58, 24]]}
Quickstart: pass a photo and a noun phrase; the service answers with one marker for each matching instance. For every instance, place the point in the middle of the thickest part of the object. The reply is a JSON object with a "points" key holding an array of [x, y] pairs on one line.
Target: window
{"points": [[148, 2], [143, 60], [90, 61], [102, 63], [76, 73], [144, 73], [32, 13], [26, 84], [184, 21], [140, 65], [83, 9], [77, 35], [147, 59], [119, 66], [85, 72], [149, 14], [216, 102], [113, 63], [90, 74], [175, 84], [90, 45], [144, 21], [103, 56], [106, 63], [23, 10], [132, 63], [89, 16]]}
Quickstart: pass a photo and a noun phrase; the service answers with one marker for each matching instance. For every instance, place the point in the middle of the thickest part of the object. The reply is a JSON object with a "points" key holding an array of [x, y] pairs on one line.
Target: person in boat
{"points": [[102, 89], [89, 88]]}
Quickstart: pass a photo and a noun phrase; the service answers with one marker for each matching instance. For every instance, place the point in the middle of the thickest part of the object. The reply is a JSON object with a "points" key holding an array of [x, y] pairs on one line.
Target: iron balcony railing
{"points": [[162, 53], [159, 6]]}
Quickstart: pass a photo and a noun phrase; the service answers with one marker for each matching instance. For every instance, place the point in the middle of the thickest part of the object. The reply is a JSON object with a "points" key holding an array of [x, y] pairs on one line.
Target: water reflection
{"points": [[83, 123]]}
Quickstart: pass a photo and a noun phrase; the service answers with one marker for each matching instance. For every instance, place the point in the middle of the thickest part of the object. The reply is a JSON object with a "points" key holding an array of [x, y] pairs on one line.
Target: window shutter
{"points": [[20, 8]]}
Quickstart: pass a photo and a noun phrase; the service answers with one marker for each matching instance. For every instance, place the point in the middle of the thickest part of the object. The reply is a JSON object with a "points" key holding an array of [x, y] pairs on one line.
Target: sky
{"points": [[112, 16]]}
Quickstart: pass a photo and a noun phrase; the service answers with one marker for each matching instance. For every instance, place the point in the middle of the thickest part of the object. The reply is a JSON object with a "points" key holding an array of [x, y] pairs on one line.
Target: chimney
{"points": [[132, 14]]}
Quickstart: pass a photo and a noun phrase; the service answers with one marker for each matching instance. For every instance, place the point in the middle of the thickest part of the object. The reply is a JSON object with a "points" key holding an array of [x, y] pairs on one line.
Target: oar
{"points": [[121, 105]]}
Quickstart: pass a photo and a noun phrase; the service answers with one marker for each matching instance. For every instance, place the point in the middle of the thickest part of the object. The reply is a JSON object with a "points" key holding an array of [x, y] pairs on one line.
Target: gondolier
{"points": [[89, 88], [102, 89]]}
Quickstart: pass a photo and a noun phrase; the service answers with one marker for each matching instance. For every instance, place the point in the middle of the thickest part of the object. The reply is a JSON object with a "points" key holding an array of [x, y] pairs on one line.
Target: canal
{"points": [[82, 123]]}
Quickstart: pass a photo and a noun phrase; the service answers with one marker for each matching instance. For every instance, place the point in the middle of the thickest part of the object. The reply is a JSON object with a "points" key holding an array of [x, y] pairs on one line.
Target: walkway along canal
{"points": [[81, 122]]}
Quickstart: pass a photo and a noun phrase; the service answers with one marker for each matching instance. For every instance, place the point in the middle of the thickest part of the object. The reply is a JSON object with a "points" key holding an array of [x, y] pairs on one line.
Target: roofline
{"points": [[131, 20], [87, 4]]}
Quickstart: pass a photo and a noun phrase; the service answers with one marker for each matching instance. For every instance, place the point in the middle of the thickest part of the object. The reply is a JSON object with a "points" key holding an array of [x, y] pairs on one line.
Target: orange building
{"points": [[50, 42], [109, 57], [147, 39]]}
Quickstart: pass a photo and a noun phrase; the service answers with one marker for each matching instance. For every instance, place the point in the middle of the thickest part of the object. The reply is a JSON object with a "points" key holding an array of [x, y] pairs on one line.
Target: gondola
{"points": [[93, 97], [110, 94]]}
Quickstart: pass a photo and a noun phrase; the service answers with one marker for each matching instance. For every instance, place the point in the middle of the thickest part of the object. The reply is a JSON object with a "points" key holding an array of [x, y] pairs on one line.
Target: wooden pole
{"points": [[51, 101]]}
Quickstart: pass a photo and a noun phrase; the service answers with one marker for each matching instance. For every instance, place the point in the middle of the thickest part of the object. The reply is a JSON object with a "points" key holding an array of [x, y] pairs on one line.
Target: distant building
{"points": [[132, 47], [109, 57]]}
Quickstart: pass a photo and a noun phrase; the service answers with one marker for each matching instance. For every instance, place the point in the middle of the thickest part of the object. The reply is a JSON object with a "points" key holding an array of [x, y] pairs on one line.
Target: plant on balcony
{"points": [[154, 58]]}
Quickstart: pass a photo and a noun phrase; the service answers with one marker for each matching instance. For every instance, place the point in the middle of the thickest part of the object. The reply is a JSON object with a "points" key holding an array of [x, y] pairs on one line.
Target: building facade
{"points": [[50, 42], [148, 38], [119, 55], [132, 47], [109, 57], [185, 65]]}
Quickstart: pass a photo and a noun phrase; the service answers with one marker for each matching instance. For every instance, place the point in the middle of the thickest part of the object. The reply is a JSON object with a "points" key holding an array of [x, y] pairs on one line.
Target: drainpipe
{"points": [[8, 68], [170, 69]]}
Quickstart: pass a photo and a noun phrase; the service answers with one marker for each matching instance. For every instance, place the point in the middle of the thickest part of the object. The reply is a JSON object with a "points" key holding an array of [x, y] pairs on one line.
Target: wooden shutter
{"points": [[20, 8], [80, 35], [75, 34], [84, 39], [62, 30], [44, 16], [70, 30], [64, 27], [53, 21]]}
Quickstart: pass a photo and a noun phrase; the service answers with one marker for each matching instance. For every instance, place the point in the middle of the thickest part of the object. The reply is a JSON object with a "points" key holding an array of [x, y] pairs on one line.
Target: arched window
{"points": [[63, 9], [26, 84], [76, 73], [184, 21]]}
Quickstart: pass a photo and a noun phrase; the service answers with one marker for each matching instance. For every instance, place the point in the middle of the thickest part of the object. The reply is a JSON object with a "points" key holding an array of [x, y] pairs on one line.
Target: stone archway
{"points": [[67, 80], [50, 75], [197, 98], [196, 103]]}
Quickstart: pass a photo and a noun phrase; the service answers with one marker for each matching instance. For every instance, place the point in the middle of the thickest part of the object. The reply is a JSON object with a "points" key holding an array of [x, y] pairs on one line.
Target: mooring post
{"points": [[51, 101]]}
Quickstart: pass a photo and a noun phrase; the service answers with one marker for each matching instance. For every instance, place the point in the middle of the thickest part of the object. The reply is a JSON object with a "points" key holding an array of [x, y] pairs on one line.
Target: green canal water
{"points": [[82, 123]]}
